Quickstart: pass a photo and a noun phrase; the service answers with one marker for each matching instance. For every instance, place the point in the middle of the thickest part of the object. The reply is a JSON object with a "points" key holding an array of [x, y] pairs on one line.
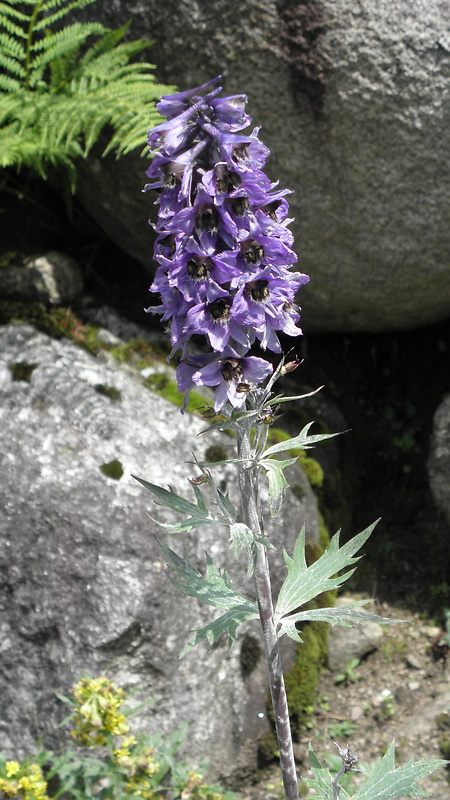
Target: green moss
{"points": [[108, 391], [444, 745], [216, 453], [301, 680], [58, 323], [267, 749], [113, 469], [250, 655], [168, 389], [310, 466], [138, 352], [22, 370]]}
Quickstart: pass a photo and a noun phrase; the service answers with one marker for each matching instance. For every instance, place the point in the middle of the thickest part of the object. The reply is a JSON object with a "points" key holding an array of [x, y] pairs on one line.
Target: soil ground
{"points": [[400, 691]]}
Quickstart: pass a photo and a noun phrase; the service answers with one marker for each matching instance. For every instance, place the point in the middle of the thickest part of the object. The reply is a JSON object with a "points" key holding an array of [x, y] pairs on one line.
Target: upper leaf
{"points": [[302, 441], [303, 583], [198, 513]]}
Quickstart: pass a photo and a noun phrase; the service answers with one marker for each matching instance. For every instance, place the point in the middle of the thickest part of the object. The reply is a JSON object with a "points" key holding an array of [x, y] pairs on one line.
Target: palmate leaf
{"points": [[215, 589], [386, 781], [304, 583]]}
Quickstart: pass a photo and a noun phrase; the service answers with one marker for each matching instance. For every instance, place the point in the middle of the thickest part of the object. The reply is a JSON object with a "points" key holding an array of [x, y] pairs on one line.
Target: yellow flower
{"points": [[12, 768]]}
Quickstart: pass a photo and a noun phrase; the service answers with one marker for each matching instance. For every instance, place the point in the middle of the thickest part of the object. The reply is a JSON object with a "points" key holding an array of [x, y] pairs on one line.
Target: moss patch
{"points": [[58, 323], [113, 469], [108, 391], [168, 389], [22, 370]]}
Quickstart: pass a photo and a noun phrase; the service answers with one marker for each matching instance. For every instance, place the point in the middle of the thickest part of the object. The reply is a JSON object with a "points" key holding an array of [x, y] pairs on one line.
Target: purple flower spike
{"points": [[223, 244]]}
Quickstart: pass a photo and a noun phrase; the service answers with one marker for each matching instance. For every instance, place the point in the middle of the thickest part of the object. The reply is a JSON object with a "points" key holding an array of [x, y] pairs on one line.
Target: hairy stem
{"points": [[248, 484]]}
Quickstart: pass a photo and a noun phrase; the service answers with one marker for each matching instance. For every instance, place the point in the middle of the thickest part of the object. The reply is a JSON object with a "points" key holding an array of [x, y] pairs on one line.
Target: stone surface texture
{"points": [[346, 644], [353, 100], [52, 279], [84, 583]]}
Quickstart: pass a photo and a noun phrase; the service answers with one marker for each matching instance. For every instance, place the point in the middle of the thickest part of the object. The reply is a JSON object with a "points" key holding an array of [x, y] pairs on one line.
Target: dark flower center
{"points": [[271, 208], [253, 251], [240, 206], [207, 219], [173, 174], [239, 153], [199, 269], [232, 370], [169, 243], [220, 309], [257, 290], [227, 181]]}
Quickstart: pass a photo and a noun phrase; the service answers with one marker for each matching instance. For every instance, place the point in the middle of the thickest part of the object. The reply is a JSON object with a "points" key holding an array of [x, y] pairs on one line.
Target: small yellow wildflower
{"points": [[97, 714], [28, 784], [12, 768]]}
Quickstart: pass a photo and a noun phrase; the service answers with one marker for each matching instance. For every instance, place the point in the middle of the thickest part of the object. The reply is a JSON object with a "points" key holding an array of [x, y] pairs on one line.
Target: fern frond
{"points": [[11, 47], [12, 28], [7, 10], [8, 84], [58, 92], [12, 65], [51, 19], [107, 43], [57, 45]]}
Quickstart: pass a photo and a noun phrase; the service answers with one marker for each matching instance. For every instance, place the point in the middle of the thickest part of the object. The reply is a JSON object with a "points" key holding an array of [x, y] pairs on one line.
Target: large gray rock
{"points": [[84, 584], [347, 644], [53, 279], [439, 458], [353, 101]]}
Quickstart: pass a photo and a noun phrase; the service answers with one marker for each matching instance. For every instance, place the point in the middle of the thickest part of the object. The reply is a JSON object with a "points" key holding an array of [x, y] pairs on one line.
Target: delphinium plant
{"points": [[224, 255]]}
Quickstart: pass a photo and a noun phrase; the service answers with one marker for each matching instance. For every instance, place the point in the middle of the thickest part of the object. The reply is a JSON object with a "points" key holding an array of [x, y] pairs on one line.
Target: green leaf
{"points": [[169, 498], [198, 514], [321, 782], [387, 781], [277, 482], [215, 589], [304, 583], [240, 536], [280, 398], [346, 616], [303, 441]]}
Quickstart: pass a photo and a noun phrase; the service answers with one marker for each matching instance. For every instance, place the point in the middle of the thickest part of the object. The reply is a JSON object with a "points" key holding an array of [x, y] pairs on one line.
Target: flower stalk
{"points": [[248, 484]]}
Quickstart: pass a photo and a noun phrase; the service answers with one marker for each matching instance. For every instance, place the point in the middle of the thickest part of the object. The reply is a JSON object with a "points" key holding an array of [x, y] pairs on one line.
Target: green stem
{"points": [[29, 43], [248, 484]]}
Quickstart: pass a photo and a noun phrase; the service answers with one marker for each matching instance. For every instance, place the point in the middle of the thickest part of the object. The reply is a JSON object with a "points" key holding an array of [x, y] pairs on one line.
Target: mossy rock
{"points": [[59, 323], [22, 371], [113, 469]]}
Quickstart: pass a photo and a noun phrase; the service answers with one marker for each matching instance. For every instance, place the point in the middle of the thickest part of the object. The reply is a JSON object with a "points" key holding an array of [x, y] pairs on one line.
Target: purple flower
{"points": [[223, 244], [233, 375]]}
